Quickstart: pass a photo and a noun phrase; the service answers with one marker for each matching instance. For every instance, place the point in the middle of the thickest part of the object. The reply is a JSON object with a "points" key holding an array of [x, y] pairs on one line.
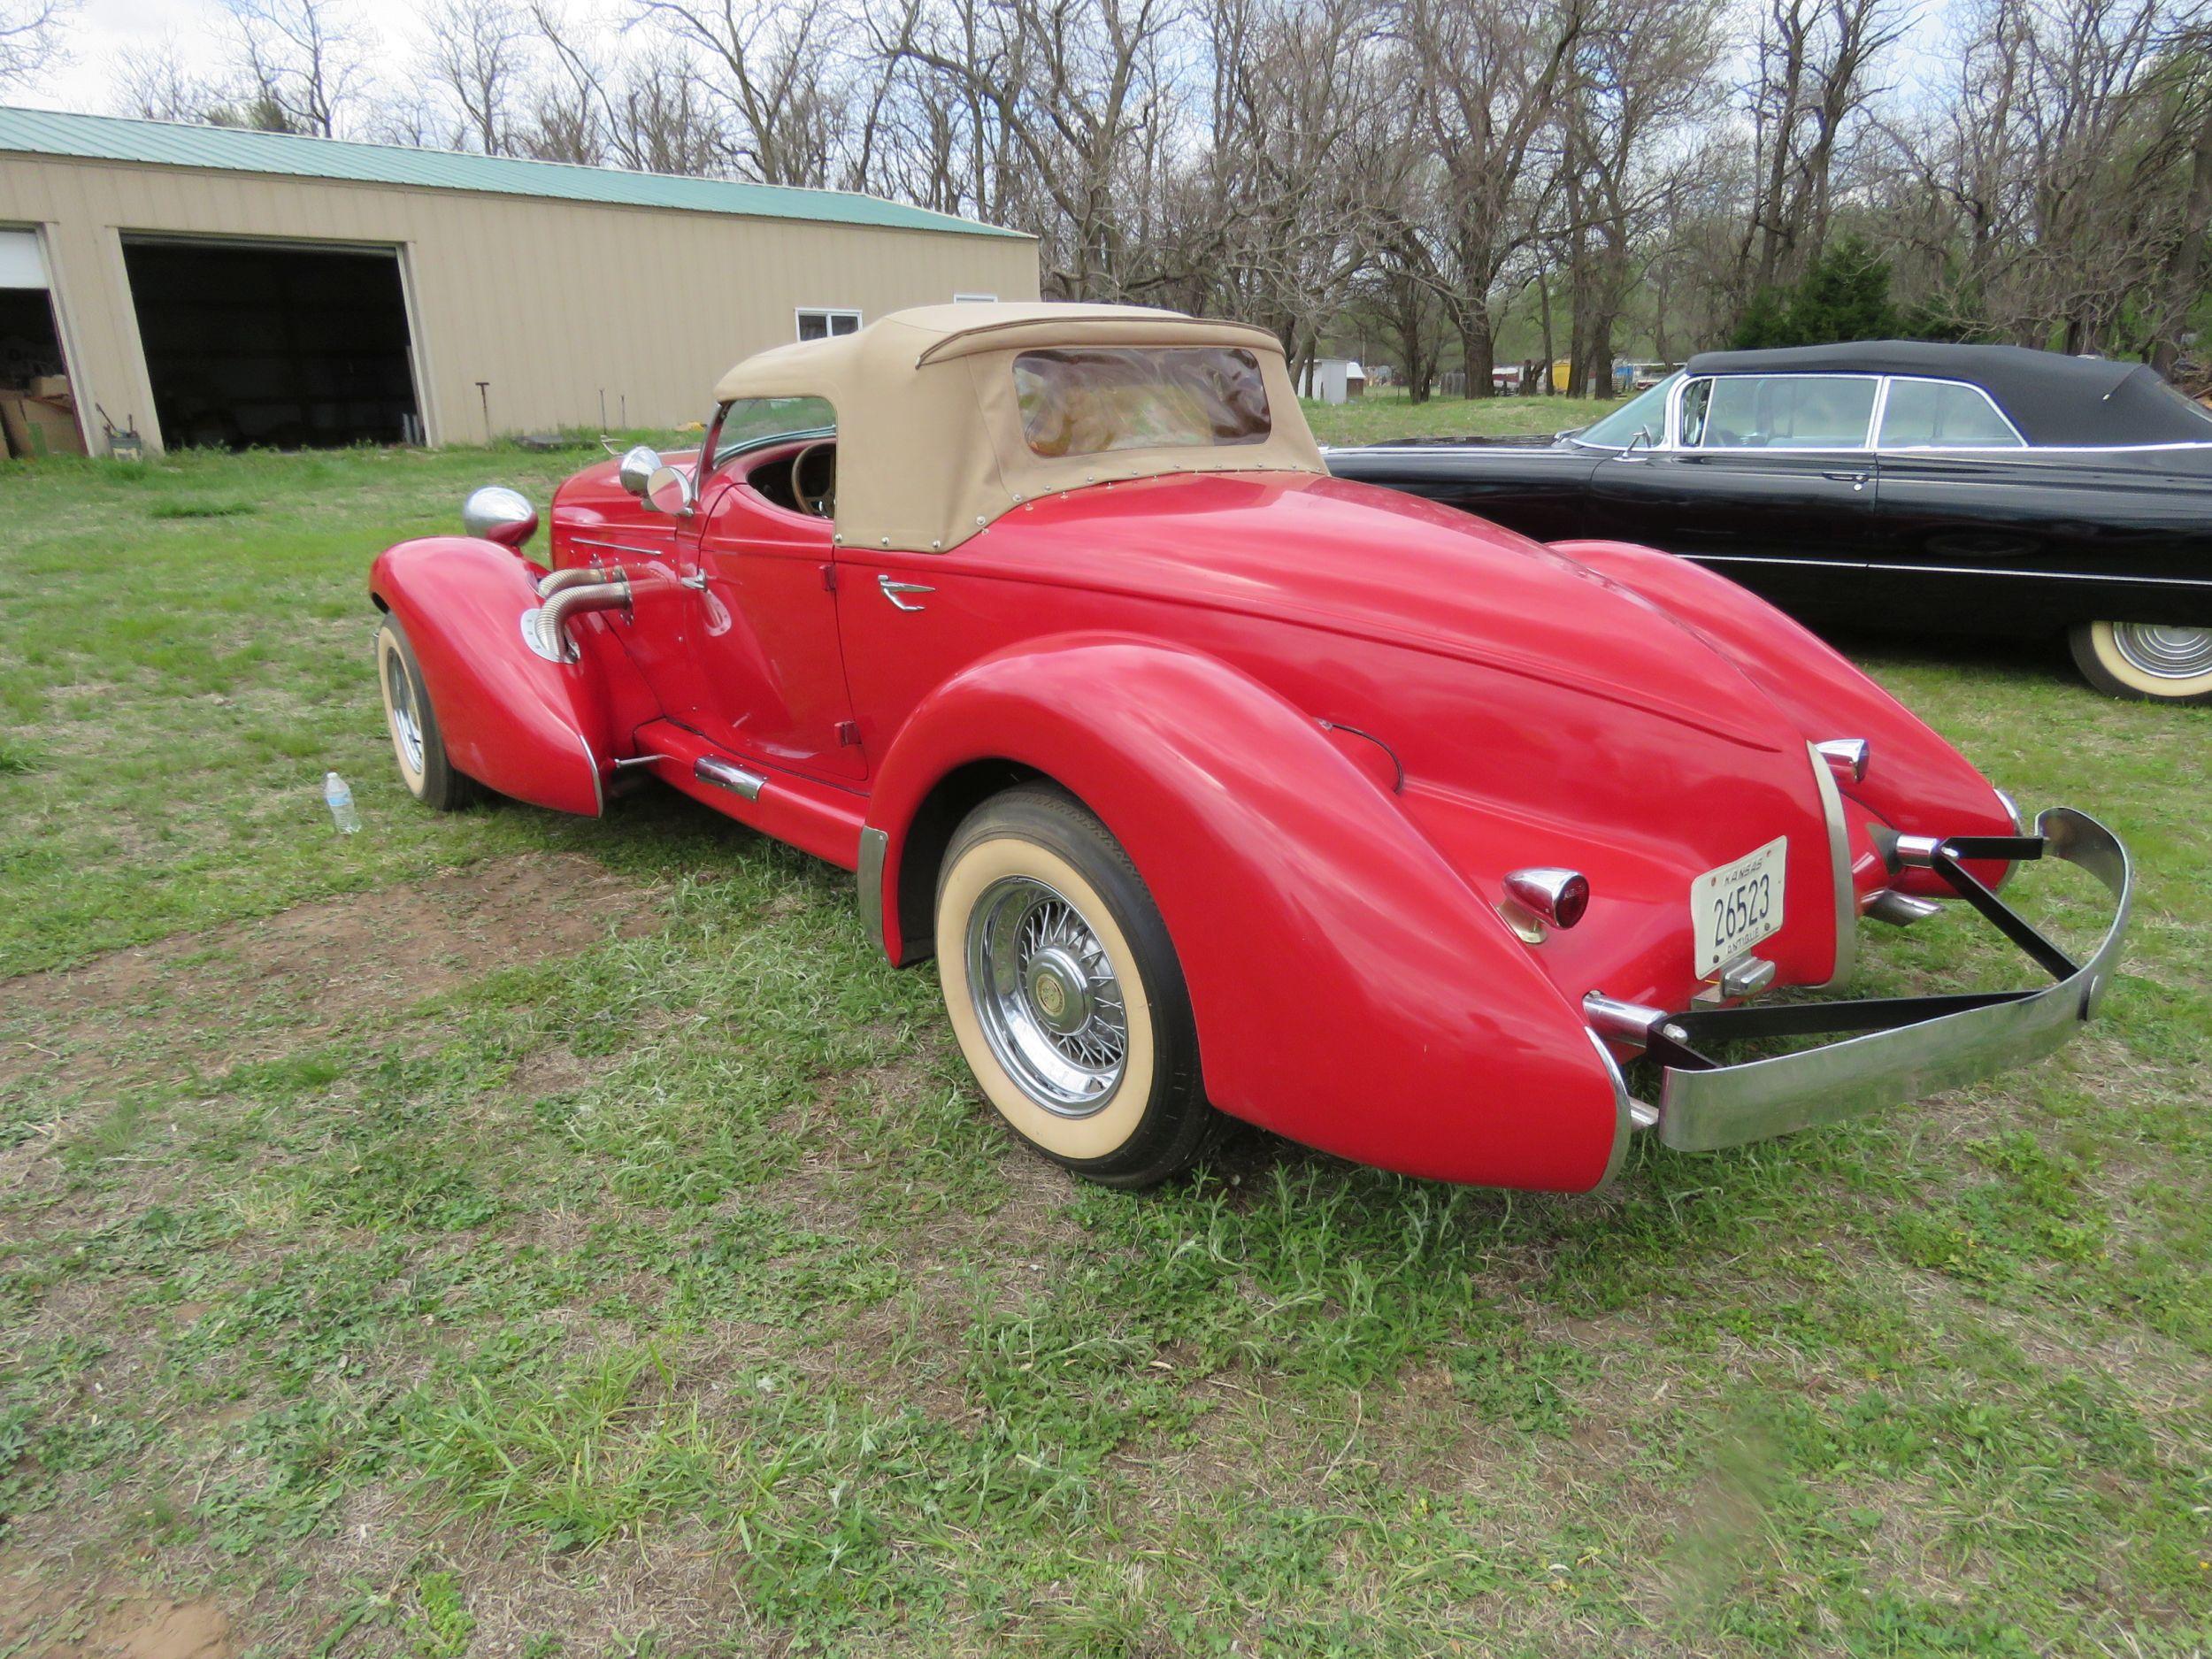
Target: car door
{"points": [[762, 626], [1768, 478], [1986, 533], [1982, 534]]}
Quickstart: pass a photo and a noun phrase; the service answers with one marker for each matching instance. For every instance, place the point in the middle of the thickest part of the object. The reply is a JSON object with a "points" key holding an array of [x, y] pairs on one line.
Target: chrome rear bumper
{"points": [[1908, 1047]]}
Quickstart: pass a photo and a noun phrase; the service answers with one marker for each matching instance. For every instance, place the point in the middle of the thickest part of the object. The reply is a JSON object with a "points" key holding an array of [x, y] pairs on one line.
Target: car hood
{"points": [[1354, 559]]}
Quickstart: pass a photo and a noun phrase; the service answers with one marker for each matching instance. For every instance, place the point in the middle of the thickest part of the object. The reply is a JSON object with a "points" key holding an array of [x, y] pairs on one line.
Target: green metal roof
{"points": [[176, 144]]}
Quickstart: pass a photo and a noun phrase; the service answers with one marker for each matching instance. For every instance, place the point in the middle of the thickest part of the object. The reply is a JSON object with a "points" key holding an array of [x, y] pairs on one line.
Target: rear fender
{"points": [[1916, 783], [1350, 991], [539, 731]]}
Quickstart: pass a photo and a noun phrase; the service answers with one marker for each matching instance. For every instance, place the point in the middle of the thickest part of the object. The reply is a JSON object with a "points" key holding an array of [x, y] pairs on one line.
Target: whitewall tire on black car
{"points": [[2147, 660]]}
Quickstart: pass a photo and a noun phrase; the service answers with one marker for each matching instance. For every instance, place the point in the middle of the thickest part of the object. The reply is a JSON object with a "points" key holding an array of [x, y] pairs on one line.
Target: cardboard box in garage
{"points": [[39, 425]]}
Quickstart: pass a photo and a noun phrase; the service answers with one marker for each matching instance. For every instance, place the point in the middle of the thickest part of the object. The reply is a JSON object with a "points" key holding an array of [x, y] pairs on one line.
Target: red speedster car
{"points": [[1214, 782]]}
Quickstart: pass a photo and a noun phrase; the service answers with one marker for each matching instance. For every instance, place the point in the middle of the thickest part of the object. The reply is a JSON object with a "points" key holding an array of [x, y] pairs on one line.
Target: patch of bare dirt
{"points": [[57, 1619], [245, 990]]}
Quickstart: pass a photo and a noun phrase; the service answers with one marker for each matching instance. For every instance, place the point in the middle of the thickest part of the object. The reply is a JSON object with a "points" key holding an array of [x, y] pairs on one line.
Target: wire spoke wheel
{"points": [[406, 717], [418, 746], [1046, 996]]}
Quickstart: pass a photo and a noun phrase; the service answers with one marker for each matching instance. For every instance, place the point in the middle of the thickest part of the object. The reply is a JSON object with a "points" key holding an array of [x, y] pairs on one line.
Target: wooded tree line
{"points": [[1597, 175]]}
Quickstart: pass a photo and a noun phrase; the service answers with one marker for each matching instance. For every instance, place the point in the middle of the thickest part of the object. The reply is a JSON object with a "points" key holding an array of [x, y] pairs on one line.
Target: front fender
{"points": [[1350, 991], [524, 727], [1916, 782]]}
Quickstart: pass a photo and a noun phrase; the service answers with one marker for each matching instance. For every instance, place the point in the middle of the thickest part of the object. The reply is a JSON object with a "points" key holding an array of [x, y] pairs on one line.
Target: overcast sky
{"points": [[103, 29]]}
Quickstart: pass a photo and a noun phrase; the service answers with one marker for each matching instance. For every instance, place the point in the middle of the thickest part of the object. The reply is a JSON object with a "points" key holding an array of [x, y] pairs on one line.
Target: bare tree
{"points": [[1484, 81], [478, 59], [2190, 53], [2054, 192], [1641, 73], [777, 79], [29, 37], [1073, 96], [1817, 62], [152, 84], [304, 66]]}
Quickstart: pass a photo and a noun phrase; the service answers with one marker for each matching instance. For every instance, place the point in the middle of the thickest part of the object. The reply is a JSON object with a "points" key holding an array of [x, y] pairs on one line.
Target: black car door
{"points": [[1767, 478], [1983, 534]]}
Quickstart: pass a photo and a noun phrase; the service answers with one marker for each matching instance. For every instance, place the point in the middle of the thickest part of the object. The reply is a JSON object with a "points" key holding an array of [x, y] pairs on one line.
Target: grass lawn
{"points": [[1388, 413], [509, 1234]]}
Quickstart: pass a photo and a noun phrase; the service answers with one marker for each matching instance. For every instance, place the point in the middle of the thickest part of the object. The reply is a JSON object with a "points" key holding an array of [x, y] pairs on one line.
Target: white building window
{"points": [[975, 299], [821, 324]]}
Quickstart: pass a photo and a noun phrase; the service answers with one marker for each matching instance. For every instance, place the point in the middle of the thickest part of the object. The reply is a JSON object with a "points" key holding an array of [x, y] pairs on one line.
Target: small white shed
{"points": [[1333, 381]]}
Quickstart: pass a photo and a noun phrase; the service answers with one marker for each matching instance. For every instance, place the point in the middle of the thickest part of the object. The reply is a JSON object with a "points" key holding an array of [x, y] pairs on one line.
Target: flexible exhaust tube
{"points": [[572, 576], [548, 625]]}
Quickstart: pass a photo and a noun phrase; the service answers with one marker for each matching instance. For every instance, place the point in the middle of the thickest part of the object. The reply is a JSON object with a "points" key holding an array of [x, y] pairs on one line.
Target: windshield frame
{"points": [[720, 455], [1664, 392]]}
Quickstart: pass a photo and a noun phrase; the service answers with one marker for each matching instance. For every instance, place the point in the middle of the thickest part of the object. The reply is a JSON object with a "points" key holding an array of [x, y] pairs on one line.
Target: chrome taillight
{"points": [[1557, 896]]}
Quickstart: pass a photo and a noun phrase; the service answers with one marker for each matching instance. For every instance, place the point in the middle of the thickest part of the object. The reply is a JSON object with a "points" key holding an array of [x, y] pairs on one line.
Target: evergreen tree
{"points": [[1844, 295]]}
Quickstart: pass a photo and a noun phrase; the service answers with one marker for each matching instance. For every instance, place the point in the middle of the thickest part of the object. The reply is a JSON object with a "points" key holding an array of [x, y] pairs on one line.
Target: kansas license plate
{"points": [[1734, 907]]}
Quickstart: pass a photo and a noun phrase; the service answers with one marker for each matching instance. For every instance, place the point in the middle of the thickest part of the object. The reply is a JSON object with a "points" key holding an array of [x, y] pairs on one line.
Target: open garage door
{"points": [[273, 344], [38, 410]]}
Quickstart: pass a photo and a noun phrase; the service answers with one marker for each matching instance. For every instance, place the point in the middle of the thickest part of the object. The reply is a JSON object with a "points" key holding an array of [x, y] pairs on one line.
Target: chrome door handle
{"points": [[893, 590], [1857, 480]]}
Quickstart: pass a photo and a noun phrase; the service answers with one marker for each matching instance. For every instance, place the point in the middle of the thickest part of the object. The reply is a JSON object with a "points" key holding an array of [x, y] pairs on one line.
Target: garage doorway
{"points": [[38, 410], [273, 345]]}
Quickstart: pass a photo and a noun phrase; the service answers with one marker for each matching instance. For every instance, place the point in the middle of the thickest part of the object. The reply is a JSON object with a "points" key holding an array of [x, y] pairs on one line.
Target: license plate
{"points": [[1734, 907]]}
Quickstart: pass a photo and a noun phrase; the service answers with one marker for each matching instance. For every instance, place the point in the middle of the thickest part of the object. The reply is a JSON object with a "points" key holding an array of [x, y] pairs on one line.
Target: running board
{"points": [[814, 816]]}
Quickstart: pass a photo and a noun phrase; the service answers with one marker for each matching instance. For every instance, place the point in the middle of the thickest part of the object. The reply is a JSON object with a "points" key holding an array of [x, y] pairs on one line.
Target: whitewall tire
{"points": [[418, 746], [2146, 660], [1064, 992]]}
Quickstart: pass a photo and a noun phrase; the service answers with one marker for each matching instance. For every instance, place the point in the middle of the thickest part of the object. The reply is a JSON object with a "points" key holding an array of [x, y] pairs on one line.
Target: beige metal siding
{"points": [[551, 302]]}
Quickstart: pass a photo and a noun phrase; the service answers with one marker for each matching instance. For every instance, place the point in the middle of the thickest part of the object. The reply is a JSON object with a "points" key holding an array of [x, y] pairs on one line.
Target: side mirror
{"points": [[499, 514], [637, 469], [669, 491]]}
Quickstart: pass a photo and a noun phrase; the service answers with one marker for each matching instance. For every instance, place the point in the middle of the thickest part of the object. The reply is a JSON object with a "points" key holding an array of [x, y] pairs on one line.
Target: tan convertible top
{"points": [[929, 434]]}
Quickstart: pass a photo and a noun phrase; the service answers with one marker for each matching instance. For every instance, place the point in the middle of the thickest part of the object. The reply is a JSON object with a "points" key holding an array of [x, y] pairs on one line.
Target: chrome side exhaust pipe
{"points": [[572, 576], [545, 629]]}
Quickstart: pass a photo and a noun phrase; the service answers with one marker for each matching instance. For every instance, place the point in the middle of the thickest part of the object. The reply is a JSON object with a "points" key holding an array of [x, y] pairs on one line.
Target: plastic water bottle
{"points": [[339, 799]]}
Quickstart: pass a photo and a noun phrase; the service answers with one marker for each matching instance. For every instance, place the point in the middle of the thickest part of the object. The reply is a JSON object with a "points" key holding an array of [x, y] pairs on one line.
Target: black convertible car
{"points": [[1954, 489]]}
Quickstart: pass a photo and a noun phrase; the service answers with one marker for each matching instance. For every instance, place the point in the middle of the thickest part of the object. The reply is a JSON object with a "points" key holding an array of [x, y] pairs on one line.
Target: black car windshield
{"points": [[1646, 410]]}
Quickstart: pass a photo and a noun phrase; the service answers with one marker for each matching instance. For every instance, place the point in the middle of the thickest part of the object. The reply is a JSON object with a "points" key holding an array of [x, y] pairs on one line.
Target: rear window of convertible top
{"points": [[1137, 397]]}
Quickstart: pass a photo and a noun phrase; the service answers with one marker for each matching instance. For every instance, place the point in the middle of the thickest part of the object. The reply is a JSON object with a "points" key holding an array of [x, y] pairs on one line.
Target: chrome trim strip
{"points": [[1700, 1112], [618, 547], [727, 775], [2001, 452], [874, 844], [1949, 570], [598, 778], [1840, 870], [1628, 1114]]}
